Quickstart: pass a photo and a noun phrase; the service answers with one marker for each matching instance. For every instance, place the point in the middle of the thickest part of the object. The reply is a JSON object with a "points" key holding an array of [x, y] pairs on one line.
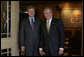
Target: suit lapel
{"points": [[35, 23], [28, 24], [45, 27], [52, 23], [50, 27]]}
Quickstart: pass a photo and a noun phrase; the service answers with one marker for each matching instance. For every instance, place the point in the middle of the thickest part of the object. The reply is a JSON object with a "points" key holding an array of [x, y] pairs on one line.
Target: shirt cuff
{"points": [[61, 48], [22, 47], [41, 49]]}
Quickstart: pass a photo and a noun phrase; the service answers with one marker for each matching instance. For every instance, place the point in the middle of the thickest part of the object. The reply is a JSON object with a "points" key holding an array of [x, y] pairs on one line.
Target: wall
{"points": [[67, 8]]}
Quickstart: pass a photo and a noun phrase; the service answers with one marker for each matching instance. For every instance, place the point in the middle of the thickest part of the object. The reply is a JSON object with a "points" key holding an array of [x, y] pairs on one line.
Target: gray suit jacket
{"points": [[29, 38]]}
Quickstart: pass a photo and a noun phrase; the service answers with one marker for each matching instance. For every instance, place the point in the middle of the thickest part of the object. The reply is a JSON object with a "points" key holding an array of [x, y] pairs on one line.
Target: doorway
{"points": [[9, 28]]}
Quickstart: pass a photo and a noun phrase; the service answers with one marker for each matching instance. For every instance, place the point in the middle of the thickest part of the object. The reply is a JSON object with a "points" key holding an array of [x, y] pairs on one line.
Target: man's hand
{"points": [[41, 53], [22, 50], [61, 52]]}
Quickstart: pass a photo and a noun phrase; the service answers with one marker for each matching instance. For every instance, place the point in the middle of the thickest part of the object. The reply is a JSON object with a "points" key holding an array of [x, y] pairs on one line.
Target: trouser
{"points": [[32, 53], [47, 52]]}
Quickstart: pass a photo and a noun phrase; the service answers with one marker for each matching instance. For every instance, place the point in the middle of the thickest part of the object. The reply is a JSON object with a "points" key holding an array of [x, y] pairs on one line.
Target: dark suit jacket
{"points": [[29, 38], [5, 29], [54, 39]]}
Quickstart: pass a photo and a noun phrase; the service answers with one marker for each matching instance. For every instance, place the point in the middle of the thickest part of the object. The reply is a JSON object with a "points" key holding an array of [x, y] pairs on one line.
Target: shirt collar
{"points": [[49, 20], [31, 18]]}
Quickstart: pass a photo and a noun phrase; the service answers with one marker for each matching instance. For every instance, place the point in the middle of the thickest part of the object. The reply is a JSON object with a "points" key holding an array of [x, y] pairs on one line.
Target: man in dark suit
{"points": [[7, 22], [52, 40], [30, 33]]}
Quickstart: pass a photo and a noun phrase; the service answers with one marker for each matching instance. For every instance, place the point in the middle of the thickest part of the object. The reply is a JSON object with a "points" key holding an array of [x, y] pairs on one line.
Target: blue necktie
{"points": [[32, 24]]}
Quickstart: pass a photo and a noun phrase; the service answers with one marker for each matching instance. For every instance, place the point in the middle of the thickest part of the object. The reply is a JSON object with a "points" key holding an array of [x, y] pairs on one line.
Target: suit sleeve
{"points": [[41, 38], [61, 34], [21, 34]]}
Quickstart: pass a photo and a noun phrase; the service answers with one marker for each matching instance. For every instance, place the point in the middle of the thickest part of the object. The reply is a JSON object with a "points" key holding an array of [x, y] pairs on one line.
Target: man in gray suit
{"points": [[30, 33]]}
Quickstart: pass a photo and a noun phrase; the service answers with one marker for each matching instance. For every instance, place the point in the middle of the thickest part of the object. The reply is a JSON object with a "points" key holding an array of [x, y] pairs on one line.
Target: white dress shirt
{"points": [[49, 22], [31, 18]]}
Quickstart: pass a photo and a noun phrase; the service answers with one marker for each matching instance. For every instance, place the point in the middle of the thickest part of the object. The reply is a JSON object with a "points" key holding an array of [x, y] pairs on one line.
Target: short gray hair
{"points": [[48, 8], [30, 7]]}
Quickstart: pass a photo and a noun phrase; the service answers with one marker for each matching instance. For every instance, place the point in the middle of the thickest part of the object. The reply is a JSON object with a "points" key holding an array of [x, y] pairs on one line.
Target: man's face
{"points": [[4, 16], [48, 14], [31, 12]]}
